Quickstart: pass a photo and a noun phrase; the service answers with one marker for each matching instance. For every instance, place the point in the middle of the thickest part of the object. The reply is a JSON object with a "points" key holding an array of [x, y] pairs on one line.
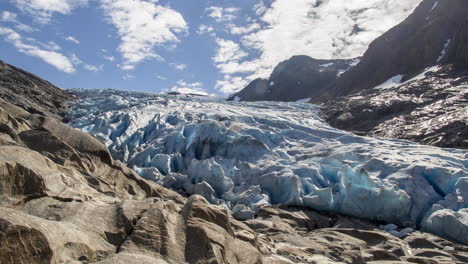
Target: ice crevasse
{"points": [[247, 155]]}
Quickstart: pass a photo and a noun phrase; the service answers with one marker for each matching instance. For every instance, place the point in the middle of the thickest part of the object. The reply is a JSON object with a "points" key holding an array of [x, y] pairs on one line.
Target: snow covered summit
{"points": [[246, 155]]}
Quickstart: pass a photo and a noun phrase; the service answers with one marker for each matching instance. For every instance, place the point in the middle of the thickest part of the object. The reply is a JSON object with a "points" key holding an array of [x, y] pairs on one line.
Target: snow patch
{"points": [[351, 65], [390, 83], [434, 6], [272, 83], [423, 74], [326, 65], [354, 62], [303, 101], [444, 50]]}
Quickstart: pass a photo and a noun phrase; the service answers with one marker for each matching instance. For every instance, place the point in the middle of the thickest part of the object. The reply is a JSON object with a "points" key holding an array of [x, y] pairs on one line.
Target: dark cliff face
{"points": [[255, 91], [294, 79], [32, 93], [431, 110], [436, 33]]}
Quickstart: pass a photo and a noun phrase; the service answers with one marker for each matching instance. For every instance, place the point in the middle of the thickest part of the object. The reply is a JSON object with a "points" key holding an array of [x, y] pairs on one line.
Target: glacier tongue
{"points": [[247, 155]]}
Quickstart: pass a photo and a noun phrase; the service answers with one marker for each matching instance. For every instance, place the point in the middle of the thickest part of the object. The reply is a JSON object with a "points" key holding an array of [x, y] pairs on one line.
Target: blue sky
{"points": [[205, 46]]}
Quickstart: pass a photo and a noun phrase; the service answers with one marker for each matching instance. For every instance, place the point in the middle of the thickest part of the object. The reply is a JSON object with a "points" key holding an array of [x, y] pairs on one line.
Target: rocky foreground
{"points": [[63, 199]]}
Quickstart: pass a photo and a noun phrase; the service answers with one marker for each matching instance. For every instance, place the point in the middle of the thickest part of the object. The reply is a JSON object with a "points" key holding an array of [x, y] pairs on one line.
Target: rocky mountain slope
{"points": [[431, 109], [32, 93], [397, 92], [410, 84], [297, 78], [435, 34], [64, 199]]}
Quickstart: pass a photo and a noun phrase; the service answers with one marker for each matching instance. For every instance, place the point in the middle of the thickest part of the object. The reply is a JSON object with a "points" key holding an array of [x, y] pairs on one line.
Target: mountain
{"points": [[411, 83], [295, 79], [430, 109], [32, 93], [436, 33]]}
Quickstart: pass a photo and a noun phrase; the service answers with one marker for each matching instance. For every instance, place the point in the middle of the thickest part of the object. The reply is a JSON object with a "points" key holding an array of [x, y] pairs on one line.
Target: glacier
{"points": [[244, 156]]}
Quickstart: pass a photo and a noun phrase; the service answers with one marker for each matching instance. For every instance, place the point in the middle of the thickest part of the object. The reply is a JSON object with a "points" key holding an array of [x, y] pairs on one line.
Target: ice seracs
{"points": [[247, 155]]}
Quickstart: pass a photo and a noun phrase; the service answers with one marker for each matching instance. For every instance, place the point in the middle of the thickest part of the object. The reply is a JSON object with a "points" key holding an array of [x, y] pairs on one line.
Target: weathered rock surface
{"points": [[32, 93], [299, 235], [295, 79]]}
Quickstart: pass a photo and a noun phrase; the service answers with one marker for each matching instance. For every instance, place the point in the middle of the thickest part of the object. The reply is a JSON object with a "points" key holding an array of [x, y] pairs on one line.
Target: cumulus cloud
{"points": [[43, 10], [93, 68], [230, 84], [222, 14], [10, 17], [128, 76], [323, 29], [7, 16], [51, 57], [236, 30], [186, 88], [109, 57], [77, 61], [72, 39], [204, 29], [228, 51], [160, 77], [179, 67], [141, 26]]}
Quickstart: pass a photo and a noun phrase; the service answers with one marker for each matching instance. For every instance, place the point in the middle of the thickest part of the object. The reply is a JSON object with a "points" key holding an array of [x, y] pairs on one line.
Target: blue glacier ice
{"points": [[243, 156]]}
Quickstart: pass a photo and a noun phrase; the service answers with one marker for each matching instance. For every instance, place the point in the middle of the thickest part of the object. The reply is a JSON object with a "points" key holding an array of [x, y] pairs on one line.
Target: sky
{"points": [[213, 47]]}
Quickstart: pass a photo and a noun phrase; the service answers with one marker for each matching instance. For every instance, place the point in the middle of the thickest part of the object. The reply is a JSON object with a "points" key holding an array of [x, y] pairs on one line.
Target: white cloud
{"points": [[50, 45], [93, 68], [186, 88], [109, 58], [128, 76], [260, 8], [230, 84], [228, 51], [77, 61], [323, 29], [141, 26], [24, 28], [43, 10], [10, 17], [53, 58], [204, 29], [72, 39], [221, 14], [179, 67], [160, 77], [235, 30], [7, 16]]}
